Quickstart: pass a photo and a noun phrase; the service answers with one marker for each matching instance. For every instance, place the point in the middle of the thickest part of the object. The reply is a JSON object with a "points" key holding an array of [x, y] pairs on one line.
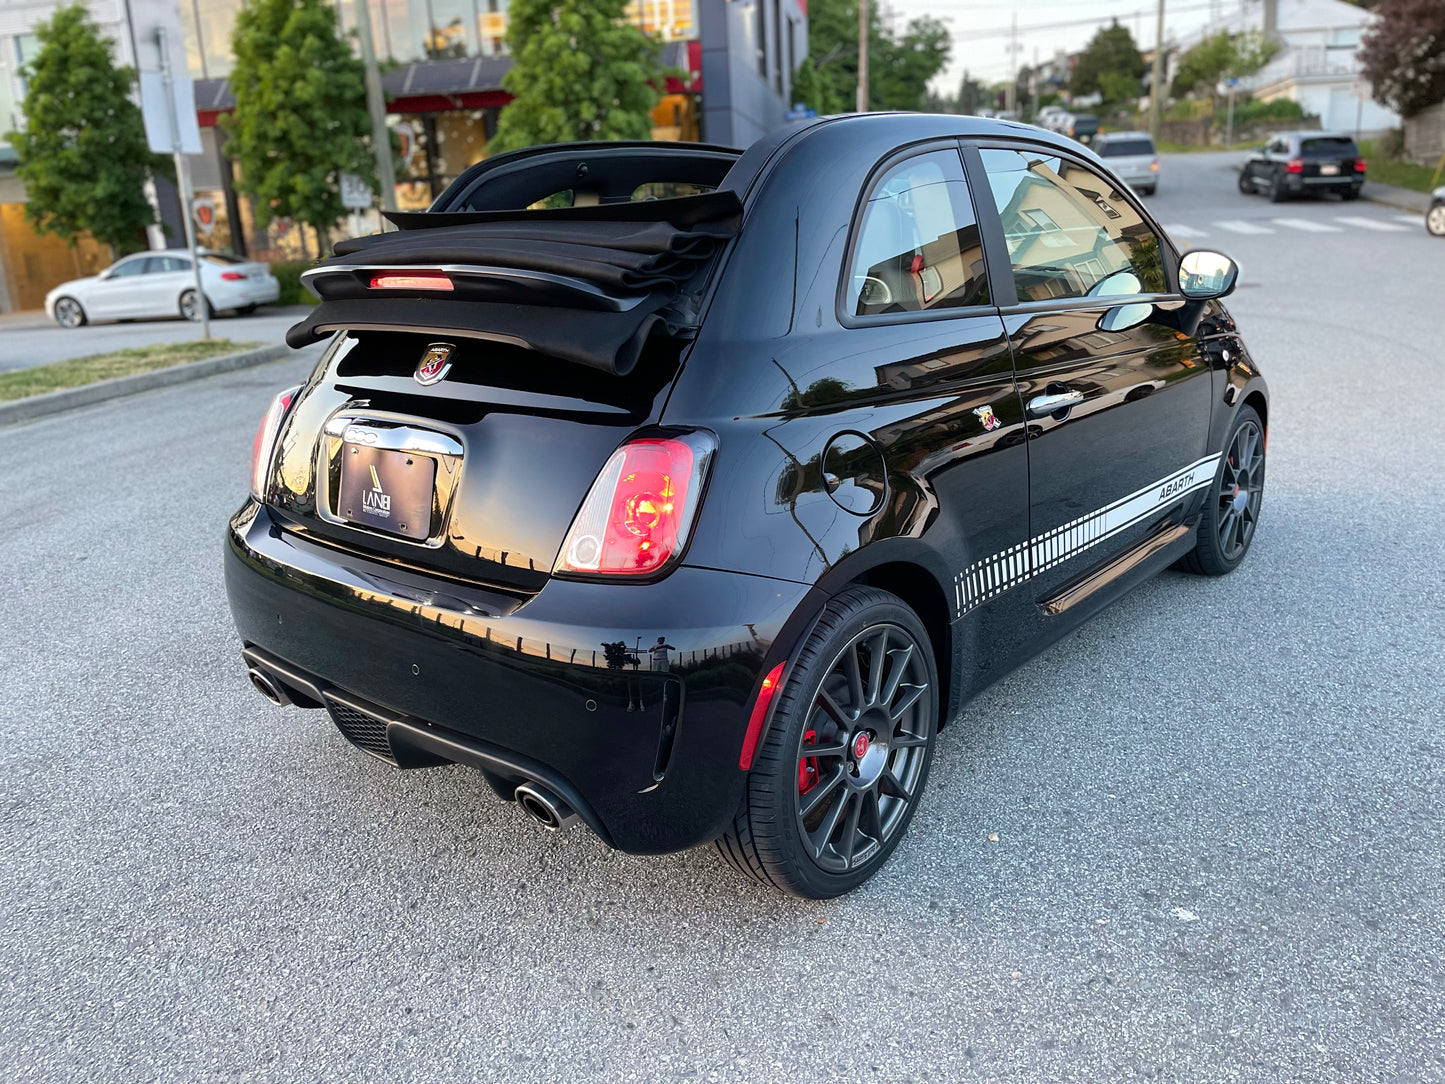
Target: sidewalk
{"points": [[1405, 199]]}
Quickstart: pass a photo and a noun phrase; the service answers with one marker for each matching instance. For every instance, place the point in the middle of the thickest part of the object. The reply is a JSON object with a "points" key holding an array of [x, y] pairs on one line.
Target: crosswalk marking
{"points": [[1238, 225], [1372, 224], [1183, 231], [1305, 224]]}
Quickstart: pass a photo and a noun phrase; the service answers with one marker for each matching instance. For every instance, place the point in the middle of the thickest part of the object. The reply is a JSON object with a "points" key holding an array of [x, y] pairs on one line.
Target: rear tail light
{"points": [[416, 280], [1359, 165], [759, 716], [1154, 166], [263, 448], [1295, 165], [637, 515], [233, 276]]}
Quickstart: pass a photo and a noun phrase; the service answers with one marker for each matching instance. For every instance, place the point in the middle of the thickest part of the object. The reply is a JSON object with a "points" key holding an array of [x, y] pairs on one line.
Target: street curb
{"points": [[1402, 199], [53, 402]]}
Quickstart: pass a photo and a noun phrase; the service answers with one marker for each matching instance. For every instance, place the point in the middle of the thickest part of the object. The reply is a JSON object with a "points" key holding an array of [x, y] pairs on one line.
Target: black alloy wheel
{"points": [[839, 774], [1231, 511], [68, 312]]}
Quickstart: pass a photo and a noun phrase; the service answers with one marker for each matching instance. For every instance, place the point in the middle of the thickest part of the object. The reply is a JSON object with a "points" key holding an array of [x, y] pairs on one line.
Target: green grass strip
{"points": [[23, 383]]}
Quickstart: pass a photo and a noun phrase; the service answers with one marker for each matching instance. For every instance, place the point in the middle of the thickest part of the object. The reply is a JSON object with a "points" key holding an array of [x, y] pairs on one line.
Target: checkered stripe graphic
{"points": [[991, 576]]}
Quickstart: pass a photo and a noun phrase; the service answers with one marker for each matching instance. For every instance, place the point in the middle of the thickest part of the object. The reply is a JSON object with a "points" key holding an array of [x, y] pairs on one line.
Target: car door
{"points": [[167, 277], [1116, 395], [920, 324], [115, 296]]}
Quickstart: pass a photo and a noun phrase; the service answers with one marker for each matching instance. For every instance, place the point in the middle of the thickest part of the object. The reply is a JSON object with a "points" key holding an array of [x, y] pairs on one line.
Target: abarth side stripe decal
{"points": [[991, 576]]}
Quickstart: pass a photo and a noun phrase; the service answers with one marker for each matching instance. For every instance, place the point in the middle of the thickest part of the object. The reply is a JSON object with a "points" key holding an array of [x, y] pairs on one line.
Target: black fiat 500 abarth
{"points": [[687, 492]]}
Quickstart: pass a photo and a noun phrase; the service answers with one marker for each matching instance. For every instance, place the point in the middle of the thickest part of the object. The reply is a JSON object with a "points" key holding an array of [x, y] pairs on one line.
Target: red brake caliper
{"points": [[808, 766]]}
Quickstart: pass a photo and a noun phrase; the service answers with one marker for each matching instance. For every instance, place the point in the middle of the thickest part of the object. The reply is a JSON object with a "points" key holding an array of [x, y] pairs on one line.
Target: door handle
{"points": [[1041, 406]]}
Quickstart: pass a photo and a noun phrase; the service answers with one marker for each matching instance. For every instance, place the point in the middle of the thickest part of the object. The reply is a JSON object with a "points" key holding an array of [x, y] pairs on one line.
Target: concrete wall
{"points": [[740, 103], [1425, 136]]}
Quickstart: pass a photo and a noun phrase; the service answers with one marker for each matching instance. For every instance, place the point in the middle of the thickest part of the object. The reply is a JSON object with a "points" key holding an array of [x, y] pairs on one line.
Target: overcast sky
{"points": [[980, 28]]}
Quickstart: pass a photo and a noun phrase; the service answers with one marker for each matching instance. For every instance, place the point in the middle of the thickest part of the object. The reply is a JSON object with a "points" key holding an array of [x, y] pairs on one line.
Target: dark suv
{"points": [[693, 518], [1296, 163]]}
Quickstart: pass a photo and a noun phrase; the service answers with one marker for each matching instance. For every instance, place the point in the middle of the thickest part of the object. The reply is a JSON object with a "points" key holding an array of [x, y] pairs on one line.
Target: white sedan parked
{"points": [[162, 284]]}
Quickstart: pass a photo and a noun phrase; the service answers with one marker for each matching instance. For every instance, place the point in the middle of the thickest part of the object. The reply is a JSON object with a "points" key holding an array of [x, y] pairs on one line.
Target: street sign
{"points": [[203, 209], [800, 111], [355, 192], [156, 110]]}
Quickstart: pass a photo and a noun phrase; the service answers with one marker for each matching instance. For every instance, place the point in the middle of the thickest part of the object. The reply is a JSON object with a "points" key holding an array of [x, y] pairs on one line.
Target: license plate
{"points": [[387, 491], [1329, 171]]}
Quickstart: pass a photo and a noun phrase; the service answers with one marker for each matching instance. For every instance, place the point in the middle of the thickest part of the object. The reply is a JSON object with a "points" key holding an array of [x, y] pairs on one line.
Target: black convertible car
{"points": [[688, 492]]}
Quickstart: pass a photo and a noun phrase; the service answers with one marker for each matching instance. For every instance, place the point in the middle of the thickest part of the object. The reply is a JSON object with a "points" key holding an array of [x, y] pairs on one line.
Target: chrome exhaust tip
{"points": [[267, 688], [546, 808]]}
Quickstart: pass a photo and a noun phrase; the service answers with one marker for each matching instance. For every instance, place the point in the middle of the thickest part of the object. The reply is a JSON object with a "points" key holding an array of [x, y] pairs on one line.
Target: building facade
{"points": [[443, 64]]}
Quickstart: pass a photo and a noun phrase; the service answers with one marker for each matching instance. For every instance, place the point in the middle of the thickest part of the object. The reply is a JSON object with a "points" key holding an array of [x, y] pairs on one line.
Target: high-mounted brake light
{"points": [[759, 715], [637, 514], [414, 280], [263, 448], [1295, 165], [1359, 165]]}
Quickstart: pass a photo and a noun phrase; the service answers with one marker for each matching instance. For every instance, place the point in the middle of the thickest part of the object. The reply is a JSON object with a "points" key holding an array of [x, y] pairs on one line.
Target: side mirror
{"points": [[1205, 275]]}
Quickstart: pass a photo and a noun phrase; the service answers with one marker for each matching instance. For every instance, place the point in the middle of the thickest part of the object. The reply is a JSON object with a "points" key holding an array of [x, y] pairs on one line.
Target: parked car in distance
{"points": [[1048, 116], [695, 519], [1304, 163], [1132, 156], [160, 284], [1435, 216], [1081, 126]]}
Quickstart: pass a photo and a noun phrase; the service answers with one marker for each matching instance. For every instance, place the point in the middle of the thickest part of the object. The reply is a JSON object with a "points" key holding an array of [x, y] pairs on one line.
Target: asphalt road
{"points": [[30, 339], [1219, 808]]}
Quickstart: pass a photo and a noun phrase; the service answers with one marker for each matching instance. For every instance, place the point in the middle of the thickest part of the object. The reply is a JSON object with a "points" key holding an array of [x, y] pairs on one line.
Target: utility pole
{"points": [[1011, 91], [376, 106], [1156, 81], [862, 56], [183, 179]]}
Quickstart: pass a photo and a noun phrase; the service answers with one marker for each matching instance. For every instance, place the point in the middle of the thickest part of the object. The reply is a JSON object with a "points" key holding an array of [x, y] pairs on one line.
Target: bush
{"points": [[1279, 109], [1391, 144], [289, 276]]}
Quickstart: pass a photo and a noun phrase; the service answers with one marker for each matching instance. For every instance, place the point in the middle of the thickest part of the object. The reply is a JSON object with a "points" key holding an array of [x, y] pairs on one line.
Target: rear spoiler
{"points": [[588, 285]]}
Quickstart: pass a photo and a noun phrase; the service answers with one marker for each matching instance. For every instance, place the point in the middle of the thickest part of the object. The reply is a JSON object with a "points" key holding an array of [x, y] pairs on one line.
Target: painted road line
{"points": [[1306, 225], [1184, 231], [1414, 220], [1371, 224], [1238, 225]]}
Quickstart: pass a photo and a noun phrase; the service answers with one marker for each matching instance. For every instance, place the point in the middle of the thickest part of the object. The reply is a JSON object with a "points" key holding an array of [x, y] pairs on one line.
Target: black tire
{"points": [[1276, 192], [245, 310], [1231, 508], [876, 790], [69, 313], [1246, 181], [1350, 194], [191, 311], [1150, 190], [1435, 219]]}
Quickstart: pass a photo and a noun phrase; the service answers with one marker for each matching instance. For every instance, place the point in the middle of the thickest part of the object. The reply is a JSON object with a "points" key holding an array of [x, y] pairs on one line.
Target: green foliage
{"points": [[1111, 52], [817, 90], [581, 72], [288, 275], [1222, 56], [1279, 109], [899, 67], [1403, 55], [300, 118], [83, 155]]}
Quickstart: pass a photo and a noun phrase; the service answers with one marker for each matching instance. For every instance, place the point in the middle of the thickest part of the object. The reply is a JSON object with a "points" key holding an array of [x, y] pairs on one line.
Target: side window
{"points": [[917, 247], [1070, 233], [134, 266], [169, 264]]}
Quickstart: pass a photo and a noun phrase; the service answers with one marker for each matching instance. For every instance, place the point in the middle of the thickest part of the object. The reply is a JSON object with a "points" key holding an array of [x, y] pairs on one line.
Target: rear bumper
{"points": [[523, 688]]}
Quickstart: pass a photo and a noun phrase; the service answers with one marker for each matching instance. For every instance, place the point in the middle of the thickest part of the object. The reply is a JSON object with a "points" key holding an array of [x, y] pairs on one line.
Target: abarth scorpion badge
{"points": [[434, 363]]}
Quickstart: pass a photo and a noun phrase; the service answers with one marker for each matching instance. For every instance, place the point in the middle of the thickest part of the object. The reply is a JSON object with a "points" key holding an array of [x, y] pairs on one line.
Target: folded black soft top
{"points": [[586, 284]]}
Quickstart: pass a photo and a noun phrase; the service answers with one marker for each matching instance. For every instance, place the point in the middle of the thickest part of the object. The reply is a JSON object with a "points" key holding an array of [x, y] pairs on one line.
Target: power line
{"points": [[1006, 31]]}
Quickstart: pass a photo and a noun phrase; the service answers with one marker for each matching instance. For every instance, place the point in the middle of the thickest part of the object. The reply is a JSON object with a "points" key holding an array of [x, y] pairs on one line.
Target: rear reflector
{"points": [[759, 715], [415, 280]]}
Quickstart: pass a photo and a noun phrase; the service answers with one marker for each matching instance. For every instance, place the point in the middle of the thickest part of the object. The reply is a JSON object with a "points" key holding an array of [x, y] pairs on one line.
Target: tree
{"points": [[1222, 56], [899, 66], [300, 119], [1111, 52], [581, 72], [83, 154], [1403, 55]]}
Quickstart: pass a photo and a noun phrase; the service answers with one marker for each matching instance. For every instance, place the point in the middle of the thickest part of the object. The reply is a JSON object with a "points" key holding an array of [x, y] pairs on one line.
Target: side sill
{"points": [[1102, 577]]}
